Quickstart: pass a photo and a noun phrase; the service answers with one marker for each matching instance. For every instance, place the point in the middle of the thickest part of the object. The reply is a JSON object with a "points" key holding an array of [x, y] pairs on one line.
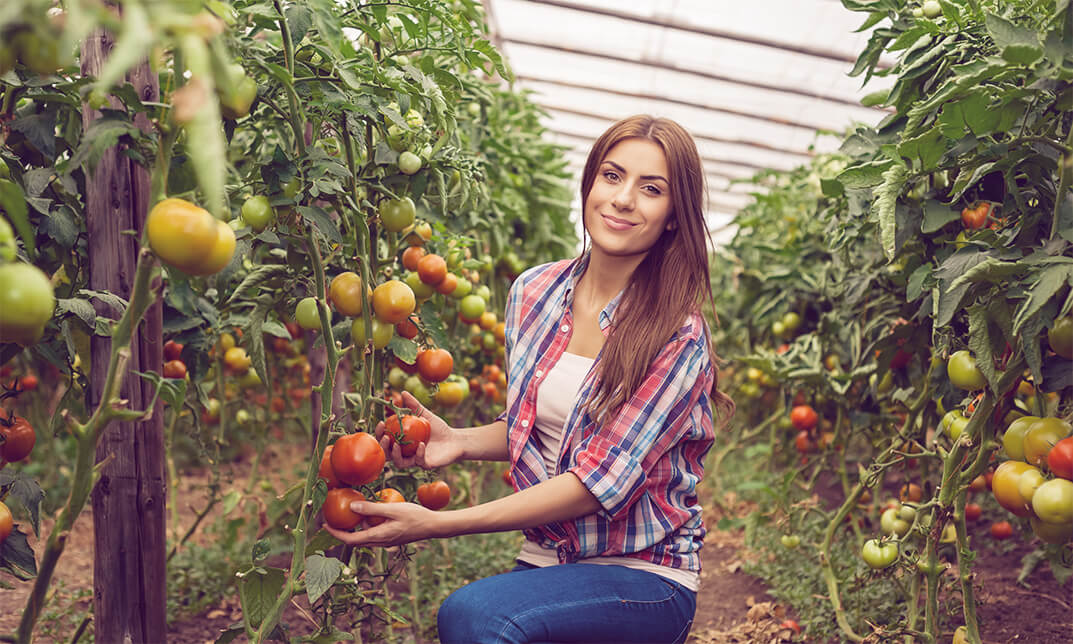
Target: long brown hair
{"points": [[673, 277]]}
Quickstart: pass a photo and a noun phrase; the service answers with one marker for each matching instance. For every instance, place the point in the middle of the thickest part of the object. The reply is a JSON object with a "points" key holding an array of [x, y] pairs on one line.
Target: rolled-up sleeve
{"points": [[613, 460]]}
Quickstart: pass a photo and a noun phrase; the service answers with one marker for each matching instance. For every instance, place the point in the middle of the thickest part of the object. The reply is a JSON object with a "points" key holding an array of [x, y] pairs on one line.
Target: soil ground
{"points": [[732, 606]]}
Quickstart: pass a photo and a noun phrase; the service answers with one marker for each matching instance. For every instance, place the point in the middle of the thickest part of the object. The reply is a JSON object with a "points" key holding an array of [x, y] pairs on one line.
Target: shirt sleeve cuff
{"points": [[616, 479]]}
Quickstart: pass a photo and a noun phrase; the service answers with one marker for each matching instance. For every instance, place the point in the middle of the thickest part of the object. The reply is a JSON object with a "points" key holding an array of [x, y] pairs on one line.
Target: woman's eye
{"points": [[610, 175], [653, 190]]}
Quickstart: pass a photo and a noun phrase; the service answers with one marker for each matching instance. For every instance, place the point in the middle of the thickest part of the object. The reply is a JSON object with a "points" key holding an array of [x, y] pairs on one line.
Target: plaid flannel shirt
{"points": [[643, 464]]}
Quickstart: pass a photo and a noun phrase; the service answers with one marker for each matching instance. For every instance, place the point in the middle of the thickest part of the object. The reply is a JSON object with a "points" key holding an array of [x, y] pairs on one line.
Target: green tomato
{"points": [[891, 523], [791, 321], [953, 423], [421, 290], [396, 377], [1013, 439], [242, 417], [474, 109], [1060, 337], [26, 303], [258, 213], [291, 188], [382, 333], [414, 119], [5, 172], [418, 389], [778, 329], [932, 9], [409, 163], [1051, 532], [1053, 501], [879, 554], [397, 214], [464, 288], [484, 292], [471, 307], [7, 241], [963, 373], [306, 314], [790, 541]]}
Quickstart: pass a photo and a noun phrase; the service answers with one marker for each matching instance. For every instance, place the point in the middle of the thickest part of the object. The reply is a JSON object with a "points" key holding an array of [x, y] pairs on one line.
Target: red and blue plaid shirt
{"points": [[644, 462]]}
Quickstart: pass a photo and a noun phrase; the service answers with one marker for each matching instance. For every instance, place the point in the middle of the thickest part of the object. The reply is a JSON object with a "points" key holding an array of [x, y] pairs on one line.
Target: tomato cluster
{"points": [[1037, 481]]}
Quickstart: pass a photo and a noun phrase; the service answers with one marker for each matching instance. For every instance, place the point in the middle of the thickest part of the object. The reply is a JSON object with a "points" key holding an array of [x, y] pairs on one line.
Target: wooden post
{"points": [[129, 500]]}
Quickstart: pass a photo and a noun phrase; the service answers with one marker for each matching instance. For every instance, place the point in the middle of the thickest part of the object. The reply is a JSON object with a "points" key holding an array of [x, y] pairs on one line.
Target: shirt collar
{"points": [[577, 269]]}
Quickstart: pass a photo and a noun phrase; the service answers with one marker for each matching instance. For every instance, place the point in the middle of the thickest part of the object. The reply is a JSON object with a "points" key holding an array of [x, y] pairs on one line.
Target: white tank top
{"points": [[555, 400]]}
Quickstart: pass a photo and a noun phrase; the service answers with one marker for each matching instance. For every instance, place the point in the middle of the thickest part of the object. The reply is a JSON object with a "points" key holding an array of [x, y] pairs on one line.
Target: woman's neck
{"points": [[604, 278]]}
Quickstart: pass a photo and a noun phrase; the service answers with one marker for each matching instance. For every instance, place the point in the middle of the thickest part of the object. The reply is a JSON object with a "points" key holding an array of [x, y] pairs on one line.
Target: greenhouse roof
{"points": [[756, 83]]}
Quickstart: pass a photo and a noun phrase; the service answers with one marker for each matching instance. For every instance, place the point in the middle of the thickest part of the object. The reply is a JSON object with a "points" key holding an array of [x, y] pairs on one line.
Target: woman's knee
{"points": [[470, 615]]}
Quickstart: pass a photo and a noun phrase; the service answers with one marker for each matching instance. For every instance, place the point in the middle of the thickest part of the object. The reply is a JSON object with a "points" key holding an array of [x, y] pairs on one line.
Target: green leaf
{"points": [[981, 342], [1022, 54], [13, 201], [299, 20], [864, 175], [927, 148], [991, 270], [949, 301], [321, 541], [1046, 285], [255, 278], [320, 219], [321, 573], [403, 349], [81, 308], [259, 592], [894, 179], [1005, 33], [433, 324], [936, 215], [17, 557], [20, 486]]}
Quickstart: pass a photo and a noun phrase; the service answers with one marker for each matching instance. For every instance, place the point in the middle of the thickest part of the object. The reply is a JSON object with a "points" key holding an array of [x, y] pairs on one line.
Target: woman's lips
{"points": [[616, 224]]}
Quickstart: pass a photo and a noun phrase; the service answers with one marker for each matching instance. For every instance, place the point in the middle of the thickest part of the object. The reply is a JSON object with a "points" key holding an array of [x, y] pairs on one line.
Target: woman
{"points": [[612, 381]]}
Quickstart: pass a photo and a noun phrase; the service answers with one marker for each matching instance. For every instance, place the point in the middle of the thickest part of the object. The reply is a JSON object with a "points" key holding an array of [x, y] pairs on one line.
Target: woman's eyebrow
{"points": [[646, 177]]}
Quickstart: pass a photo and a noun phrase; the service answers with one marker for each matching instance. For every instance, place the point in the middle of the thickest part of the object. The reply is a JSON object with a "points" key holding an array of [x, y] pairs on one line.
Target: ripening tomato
{"points": [[1051, 532], [1014, 437], [411, 256], [381, 335], [975, 217], [174, 369], [804, 417], [26, 302], [432, 269], [434, 495], [7, 522], [347, 294], [963, 373], [434, 365], [911, 492], [19, 438], [393, 301], [418, 234], [326, 472], [219, 255], [386, 495], [357, 458], [448, 285], [803, 442], [180, 233], [1006, 487], [336, 508], [410, 431], [471, 307], [237, 359], [407, 328], [1043, 435], [1060, 458], [451, 392]]}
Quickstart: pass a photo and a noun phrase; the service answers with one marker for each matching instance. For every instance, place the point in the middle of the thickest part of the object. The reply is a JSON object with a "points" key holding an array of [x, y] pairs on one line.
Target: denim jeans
{"points": [[576, 602]]}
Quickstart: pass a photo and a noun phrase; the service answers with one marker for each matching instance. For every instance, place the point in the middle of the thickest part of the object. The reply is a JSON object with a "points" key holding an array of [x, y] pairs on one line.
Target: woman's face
{"points": [[629, 205]]}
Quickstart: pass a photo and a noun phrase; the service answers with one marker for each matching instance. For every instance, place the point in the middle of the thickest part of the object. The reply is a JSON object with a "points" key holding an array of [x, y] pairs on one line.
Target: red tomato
{"points": [[19, 438], [434, 495], [326, 472], [1060, 458], [357, 458], [386, 495], [434, 365], [804, 417], [407, 328], [336, 508], [972, 511], [1001, 530], [414, 430], [172, 350], [175, 369]]}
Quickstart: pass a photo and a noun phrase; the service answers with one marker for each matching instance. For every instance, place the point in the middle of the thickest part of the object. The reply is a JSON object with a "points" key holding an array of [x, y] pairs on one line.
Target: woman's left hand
{"points": [[405, 523]]}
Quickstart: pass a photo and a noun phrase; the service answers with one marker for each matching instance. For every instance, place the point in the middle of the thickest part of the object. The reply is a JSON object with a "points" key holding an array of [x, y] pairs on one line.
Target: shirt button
{"points": [[565, 328], [539, 372], [525, 423]]}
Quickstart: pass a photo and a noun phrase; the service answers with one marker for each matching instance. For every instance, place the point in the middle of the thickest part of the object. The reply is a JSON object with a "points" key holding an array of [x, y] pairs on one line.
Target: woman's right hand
{"points": [[441, 448]]}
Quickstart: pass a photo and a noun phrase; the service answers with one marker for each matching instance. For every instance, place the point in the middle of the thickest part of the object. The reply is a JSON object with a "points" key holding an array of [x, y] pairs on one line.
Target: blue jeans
{"points": [[577, 602]]}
